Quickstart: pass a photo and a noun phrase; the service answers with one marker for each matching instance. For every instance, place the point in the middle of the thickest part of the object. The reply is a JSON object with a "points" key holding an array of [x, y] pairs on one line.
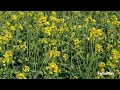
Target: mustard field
{"points": [[59, 44]]}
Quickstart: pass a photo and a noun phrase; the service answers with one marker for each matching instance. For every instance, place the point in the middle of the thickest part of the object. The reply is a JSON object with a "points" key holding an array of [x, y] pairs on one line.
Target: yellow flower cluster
{"points": [[26, 69], [53, 68], [99, 48], [44, 40], [101, 65], [7, 56], [89, 19], [65, 56], [54, 53], [114, 18], [115, 54], [20, 47], [5, 38], [116, 23], [13, 17], [21, 76], [76, 41], [96, 33]]}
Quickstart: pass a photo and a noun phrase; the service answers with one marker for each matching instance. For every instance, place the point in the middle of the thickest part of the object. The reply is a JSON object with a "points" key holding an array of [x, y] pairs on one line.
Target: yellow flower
{"points": [[6, 60], [95, 33], [44, 40], [50, 72], [101, 65], [76, 41], [20, 27], [75, 77], [99, 48], [54, 53], [102, 70], [19, 41], [8, 53], [21, 76], [53, 68], [23, 46], [13, 17], [65, 56], [47, 30], [110, 31], [109, 47], [86, 20], [12, 28], [53, 13], [114, 18], [7, 24], [53, 42], [72, 34], [79, 27], [88, 38], [93, 20], [26, 69], [115, 54]]}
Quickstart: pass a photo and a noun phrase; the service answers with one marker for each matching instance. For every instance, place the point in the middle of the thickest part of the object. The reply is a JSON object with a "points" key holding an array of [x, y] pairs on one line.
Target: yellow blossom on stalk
{"points": [[72, 34], [93, 21], [53, 13], [53, 27], [23, 46], [75, 77], [88, 38], [7, 24], [52, 18], [107, 21], [46, 23], [65, 56], [47, 30], [53, 42], [12, 28], [117, 71], [44, 40], [79, 27], [109, 46], [102, 70], [86, 20], [42, 19], [76, 41], [99, 48], [101, 65], [54, 53], [13, 17], [95, 33], [110, 31], [53, 68], [54, 48], [20, 27], [109, 63], [6, 60], [20, 76], [21, 13], [116, 23], [7, 56], [26, 69], [114, 18], [19, 41], [8, 53], [115, 54], [62, 20]]}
